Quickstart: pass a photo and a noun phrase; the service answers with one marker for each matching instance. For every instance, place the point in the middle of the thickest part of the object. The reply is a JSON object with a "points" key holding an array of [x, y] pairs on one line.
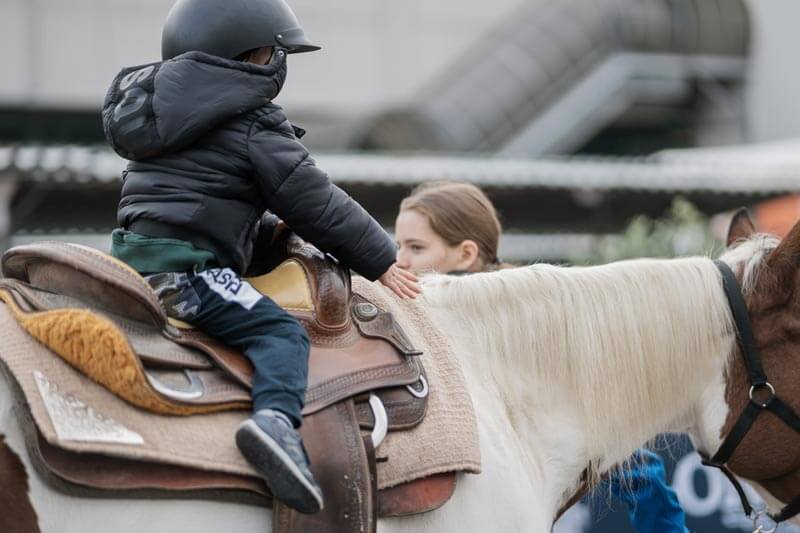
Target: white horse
{"points": [[570, 370]]}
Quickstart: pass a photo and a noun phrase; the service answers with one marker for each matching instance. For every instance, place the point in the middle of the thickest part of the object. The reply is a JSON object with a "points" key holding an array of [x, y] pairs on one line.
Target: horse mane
{"points": [[630, 345], [750, 254]]}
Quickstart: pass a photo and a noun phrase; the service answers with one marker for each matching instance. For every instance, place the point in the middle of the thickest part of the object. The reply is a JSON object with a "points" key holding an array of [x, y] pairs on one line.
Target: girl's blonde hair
{"points": [[457, 212]]}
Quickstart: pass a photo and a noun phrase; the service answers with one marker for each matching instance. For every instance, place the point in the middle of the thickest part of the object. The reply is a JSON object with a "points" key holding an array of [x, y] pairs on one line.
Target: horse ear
{"points": [[741, 227], [785, 259]]}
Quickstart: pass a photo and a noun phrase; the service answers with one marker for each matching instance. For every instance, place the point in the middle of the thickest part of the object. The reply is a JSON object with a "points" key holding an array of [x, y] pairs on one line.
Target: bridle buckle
{"points": [[761, 528], [769, 399]]}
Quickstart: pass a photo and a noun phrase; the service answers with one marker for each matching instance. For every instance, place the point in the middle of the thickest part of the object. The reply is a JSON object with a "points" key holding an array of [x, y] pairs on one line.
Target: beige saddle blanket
{"points": [[76, 414]]}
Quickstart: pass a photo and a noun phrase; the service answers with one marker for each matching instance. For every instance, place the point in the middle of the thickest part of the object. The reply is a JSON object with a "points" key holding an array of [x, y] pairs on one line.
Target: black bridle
{"points": [[758, 382]]}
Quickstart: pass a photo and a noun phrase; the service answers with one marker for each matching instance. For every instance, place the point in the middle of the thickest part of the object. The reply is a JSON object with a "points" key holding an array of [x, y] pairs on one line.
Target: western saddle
{"points": [[365, 378]]}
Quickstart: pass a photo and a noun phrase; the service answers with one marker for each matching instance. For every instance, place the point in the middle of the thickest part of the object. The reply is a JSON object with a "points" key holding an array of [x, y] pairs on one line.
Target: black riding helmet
{"points": [[228, 28]]}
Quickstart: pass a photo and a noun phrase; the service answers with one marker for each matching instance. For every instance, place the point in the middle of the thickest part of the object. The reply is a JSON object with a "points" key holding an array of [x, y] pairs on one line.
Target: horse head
{"points": [[760, 437]]}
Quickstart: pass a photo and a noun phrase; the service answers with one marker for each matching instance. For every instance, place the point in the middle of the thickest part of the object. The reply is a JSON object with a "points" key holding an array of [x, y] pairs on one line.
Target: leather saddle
{"points": [[365, 378]]}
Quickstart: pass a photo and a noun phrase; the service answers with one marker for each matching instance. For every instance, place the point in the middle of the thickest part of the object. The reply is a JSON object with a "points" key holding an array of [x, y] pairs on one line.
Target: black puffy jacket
{"points": [[209, 153]]}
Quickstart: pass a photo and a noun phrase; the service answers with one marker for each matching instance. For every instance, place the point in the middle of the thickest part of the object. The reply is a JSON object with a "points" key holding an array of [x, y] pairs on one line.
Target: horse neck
{"points": [[621, 352]]}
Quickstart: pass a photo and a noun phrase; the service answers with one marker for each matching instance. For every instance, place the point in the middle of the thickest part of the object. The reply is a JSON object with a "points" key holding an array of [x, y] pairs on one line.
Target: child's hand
{"points": [[402, 282]]}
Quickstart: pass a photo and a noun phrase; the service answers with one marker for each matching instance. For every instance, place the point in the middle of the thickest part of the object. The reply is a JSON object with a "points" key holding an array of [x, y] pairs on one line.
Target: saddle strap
{"points": [[343, 462]]}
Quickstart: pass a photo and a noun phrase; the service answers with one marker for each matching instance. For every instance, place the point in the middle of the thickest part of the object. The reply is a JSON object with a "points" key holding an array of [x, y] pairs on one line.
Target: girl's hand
{"points": [[402, 282]]}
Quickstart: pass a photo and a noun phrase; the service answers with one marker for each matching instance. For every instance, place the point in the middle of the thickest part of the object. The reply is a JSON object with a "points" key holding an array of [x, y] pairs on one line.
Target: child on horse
{"points": [[209, 153]]}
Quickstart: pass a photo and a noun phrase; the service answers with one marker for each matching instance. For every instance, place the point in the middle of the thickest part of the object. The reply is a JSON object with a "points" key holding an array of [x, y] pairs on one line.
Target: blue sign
{"points": [[707, 497]]}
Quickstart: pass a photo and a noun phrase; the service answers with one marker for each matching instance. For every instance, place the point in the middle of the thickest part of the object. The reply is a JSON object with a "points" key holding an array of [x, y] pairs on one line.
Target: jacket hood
{"points": [[163, 107]]}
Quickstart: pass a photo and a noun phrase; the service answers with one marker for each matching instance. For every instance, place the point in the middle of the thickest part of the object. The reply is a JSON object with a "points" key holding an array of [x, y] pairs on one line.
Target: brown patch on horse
{"points": [[770, 452], [17, 514], [784, 488]]}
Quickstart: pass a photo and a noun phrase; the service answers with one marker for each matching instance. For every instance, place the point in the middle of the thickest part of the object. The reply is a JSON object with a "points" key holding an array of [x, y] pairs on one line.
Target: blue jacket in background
{"points": [[652, 504]]}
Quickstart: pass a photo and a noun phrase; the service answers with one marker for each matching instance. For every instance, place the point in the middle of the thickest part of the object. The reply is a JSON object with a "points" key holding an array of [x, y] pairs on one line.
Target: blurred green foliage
{"points": [[683, 231]]}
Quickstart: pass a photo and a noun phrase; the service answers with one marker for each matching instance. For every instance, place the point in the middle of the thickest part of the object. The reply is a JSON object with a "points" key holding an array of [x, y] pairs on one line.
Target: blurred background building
{"points": [[560, 109], [574, 115]]}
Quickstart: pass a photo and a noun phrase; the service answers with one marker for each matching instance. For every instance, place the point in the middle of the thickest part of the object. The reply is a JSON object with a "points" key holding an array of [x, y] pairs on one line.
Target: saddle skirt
{"points": [[104, 321]]}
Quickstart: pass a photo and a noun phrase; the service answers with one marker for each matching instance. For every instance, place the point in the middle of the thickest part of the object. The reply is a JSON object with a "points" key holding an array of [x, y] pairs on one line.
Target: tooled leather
{"points": [[321, 392], [81, 271], [103, 266], [386, 379], [330, 284], [347, 385], [160, 351], [82, 285], [405, 410], [340, 339], [383, 326], [341, 465], [229, 359]]}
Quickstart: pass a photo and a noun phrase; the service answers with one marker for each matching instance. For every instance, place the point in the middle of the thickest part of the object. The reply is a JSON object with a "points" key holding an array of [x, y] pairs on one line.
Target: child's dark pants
{"points": [[228, 308]]}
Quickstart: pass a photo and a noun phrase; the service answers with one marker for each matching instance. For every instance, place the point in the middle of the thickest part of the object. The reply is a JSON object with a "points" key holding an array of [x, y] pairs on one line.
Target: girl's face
{"points": [[423, 250]]}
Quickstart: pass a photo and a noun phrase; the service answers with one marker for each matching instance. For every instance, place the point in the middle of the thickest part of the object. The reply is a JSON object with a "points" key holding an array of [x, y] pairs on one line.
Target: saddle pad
{"points": [[76, 414], [447, 439]]}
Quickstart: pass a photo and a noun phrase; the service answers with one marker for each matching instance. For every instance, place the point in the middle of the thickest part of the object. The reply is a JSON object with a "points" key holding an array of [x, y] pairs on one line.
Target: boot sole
{"points": [[281, 474]]}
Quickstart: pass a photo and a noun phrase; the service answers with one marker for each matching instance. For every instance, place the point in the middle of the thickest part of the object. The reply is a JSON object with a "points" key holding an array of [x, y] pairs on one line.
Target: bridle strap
{"points": [[748, 509], [737, 433], [758, 381], [792, 509], [785, 413], [744, 332]]}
